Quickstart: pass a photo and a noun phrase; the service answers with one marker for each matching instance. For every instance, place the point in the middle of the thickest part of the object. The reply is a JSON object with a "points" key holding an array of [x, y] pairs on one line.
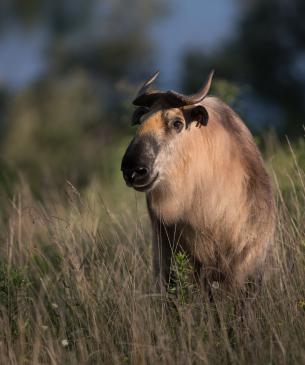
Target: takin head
{"points": [[163, 119]]}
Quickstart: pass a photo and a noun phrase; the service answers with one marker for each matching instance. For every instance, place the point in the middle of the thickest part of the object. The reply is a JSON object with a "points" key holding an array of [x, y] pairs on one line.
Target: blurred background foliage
{"points": [[66, 116], [266, 57]]}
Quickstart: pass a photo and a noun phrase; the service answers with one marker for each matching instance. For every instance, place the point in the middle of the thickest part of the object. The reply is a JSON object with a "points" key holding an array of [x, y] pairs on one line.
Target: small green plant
{"points": [[182, 280]]}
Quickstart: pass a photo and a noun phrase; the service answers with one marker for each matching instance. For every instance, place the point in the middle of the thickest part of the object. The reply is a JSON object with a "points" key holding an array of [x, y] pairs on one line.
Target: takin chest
{"points": [[213, 258]]}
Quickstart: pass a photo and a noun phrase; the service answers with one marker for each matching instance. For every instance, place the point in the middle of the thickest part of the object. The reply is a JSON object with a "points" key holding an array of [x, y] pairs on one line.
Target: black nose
{"points": [[136, 176], [138, 161]]}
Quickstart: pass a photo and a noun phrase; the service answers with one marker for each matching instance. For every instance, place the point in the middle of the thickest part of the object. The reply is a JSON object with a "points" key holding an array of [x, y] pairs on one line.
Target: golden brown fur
{"points": [[213, 198]]}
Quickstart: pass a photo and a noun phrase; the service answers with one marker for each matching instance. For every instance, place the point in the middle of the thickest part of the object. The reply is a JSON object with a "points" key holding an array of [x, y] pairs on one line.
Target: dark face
{"points": [[159, 130]]}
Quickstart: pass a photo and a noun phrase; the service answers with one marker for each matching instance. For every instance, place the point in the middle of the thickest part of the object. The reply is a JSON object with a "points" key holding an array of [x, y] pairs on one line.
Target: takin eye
{"points": [[177, 124], [137, 114]]}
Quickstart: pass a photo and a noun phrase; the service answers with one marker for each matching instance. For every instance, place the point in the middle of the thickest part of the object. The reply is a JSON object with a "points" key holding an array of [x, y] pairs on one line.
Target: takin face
{"points": [[164, 119]]}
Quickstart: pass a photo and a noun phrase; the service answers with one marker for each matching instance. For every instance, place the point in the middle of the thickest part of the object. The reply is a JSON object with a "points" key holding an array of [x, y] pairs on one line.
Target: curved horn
{"points": [[146, 97], [195, 98], [147, 83]]}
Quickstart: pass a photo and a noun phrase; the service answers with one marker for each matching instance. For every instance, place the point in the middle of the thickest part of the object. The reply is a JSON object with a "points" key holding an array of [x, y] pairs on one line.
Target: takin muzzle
{"points": [[138, 162]]}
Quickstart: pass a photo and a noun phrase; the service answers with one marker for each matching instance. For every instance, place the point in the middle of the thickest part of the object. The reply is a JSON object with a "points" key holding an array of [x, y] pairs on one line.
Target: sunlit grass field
{"points": [[76, 282]]}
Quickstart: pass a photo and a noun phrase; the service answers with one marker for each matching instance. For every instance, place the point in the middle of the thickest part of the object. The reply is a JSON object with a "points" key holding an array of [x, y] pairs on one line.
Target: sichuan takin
{"points": [[207, 189]]}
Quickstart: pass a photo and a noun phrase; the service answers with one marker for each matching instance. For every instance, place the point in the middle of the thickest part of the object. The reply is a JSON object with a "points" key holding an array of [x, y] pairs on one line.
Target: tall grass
{"points": [[76, 286]]}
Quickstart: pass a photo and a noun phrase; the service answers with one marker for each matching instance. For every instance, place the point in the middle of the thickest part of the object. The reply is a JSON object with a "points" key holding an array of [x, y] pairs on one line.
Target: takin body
{"points": [[207, 189]]}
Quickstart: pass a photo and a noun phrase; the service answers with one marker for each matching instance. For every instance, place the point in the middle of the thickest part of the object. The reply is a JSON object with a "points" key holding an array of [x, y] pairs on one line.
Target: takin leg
{"points": [[162, 257]]}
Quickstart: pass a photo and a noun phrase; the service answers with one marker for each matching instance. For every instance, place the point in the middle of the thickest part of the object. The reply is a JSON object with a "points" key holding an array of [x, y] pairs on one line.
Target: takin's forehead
{"points": [[156, 120]]}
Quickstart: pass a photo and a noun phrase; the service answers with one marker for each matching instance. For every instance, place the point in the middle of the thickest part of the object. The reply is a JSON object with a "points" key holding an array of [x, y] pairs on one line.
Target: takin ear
{"points": [[137, 114], [200, 115]]}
